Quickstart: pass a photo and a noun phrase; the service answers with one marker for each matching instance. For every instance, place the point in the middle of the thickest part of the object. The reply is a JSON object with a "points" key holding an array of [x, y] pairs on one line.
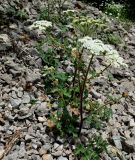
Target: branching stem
{"points": [[81, 95], [104, 69]]}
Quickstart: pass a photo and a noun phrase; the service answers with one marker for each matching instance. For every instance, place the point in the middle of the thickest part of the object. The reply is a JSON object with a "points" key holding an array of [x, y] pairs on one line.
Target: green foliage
{"points": [[89, 26], [91, 151], [44, 14], [68, 94], [122, 10], [55, 81], [16, 11], [53, 11], [113, 100], [98, 114], [115, 10], [71, 95], [114, 39], [21, 14], [56, 46], [65, 123], [98, 3], [69, 90], [49, 56]]}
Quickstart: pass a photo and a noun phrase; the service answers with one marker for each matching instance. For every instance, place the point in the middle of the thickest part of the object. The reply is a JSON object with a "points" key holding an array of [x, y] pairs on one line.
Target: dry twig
{"points": [[10, 144]]}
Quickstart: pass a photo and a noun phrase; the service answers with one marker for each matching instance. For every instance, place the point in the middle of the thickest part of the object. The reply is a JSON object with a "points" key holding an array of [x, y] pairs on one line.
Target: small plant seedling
{"points": [[114, 39], [53, 10], [92, 151]]}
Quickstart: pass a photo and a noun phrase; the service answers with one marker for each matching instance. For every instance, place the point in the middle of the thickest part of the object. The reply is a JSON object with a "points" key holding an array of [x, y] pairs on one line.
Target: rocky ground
{"points": [[24, 107]]}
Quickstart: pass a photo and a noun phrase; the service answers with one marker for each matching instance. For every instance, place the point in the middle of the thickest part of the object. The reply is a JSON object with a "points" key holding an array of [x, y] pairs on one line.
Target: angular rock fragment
{"points": [[5, 42]]}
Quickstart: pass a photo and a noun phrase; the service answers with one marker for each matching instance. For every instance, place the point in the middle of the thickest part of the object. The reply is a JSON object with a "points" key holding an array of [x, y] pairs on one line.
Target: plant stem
{"points": [[73, 81], [81, 96], [77, 69], [48, 8], [104, 69]]}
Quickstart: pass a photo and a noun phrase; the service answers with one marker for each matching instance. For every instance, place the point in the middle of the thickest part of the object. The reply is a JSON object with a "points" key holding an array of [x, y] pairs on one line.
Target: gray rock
{"points": [[132, 131], [2, 104], [106, 156], [132, 123], [15, 73], [62, 158], [12, 156], [26, 98], [36, 143], [42, 109], [35, 157], [19, 94], [5, 42], [115, 158], [39, 62], [12, 128], [57, 153], [33, 76], [45, 148], [14, 66], [14, 94], [126, 86], [9, 116], [132, 43], [56, 145], [1, 128], [15, 102], [34, 146], [131, 110], [133, 156], [28, 137], [42, 119], [13, 26], [9, 132], [95, 94], [25, 111], [32, 151], [6, 78], [22, 150], [129, 145], [25, 116], [60, 139], [117, 141]]}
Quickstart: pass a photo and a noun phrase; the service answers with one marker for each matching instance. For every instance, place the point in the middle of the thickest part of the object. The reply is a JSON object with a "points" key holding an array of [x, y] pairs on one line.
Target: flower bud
{"points": [[75, 53]]}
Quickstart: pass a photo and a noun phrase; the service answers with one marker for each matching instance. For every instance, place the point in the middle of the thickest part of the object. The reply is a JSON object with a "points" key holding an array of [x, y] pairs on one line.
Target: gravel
{"points": [[24, 105]]}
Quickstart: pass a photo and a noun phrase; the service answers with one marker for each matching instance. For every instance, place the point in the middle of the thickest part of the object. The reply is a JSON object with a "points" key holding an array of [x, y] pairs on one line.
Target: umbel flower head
{"points": [[97, 47], [70, 11], [41, 25], [87, 20]]}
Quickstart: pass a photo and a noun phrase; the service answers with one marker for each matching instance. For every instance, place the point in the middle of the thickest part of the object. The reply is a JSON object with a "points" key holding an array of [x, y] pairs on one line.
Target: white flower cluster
{"points": [[70, 11], [41, 25], [97, 47]]}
